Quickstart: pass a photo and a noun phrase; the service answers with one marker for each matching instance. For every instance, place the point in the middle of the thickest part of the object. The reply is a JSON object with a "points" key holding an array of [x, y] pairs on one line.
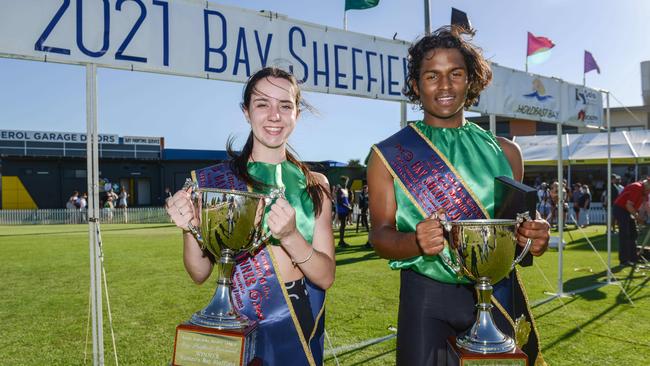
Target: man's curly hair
{"points": [[479, 73]]}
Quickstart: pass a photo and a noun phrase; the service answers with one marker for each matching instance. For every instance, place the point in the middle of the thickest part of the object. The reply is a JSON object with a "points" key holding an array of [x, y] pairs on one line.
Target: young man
{"points": [[428, 166]]}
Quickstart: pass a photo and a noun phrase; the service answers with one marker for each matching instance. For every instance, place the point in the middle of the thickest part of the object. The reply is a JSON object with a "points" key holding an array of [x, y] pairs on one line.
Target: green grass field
{"points": [[44, 299]]}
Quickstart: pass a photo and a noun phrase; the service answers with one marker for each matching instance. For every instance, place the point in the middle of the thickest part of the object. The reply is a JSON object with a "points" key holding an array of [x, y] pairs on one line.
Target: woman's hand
{"points": [[538, 231], [180, 209], [282, 219]]}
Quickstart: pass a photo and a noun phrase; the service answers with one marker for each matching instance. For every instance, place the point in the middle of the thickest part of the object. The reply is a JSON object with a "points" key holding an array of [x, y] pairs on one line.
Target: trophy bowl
{"points": [[484, 252], [230, 225]]}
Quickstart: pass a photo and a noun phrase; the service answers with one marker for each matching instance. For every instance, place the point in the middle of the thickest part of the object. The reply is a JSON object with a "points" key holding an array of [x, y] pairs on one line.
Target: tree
{"points": [[354, 163]]}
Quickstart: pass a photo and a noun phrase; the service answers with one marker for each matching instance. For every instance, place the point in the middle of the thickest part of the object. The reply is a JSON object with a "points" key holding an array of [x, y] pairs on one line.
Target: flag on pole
{"points": [[460, 18], [360, 4], [538, 44], [539, 49], [590, 63]]}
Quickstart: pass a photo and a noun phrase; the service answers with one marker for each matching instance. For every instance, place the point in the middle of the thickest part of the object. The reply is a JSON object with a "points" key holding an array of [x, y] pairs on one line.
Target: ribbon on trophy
{"points": [[432, 184], [259, 293]]}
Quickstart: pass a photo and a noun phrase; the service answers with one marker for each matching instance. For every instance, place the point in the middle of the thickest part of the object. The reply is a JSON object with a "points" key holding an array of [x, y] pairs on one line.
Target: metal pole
{"points": [[345, 20], [560, 209], [609, 192], [92, 173], [427, 18], [402, 113], [493, 124]]}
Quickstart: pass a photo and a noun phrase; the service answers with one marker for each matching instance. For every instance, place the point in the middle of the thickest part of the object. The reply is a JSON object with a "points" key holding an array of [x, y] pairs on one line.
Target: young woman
{"points": [[301, 252]]}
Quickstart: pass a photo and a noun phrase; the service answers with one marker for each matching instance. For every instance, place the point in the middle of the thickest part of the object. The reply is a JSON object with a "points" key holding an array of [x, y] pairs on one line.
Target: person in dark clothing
{"points": [[343, 209], [363, 216], [626, 210]]}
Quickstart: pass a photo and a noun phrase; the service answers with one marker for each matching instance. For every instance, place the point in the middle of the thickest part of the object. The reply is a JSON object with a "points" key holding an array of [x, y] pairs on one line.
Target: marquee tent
{"points": [[627, 147]]}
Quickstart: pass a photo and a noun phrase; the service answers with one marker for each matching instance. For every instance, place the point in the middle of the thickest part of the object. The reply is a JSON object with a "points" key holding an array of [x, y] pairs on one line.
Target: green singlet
{"points": [[478, 158], [293, 180]]}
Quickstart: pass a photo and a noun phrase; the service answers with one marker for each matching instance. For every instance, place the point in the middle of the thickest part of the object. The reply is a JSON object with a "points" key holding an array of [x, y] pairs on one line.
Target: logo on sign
{"points": [[539, 92]]}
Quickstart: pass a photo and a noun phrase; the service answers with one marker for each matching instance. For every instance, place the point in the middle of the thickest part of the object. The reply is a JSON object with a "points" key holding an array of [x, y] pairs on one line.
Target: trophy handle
{"points": [[263, 237], [520, 219], [449, 261], [194, 196]]}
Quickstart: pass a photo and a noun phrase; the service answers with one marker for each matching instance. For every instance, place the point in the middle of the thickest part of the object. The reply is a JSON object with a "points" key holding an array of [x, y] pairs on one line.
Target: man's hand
{"points": [[429, 235], [538, 231]]}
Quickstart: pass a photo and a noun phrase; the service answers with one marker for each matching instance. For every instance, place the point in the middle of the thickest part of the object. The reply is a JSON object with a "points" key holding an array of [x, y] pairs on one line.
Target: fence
{"points": [[137, 215], [146, 215]]}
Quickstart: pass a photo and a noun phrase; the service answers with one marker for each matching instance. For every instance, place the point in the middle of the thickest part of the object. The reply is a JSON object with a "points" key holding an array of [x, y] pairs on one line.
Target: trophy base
{"points": [[201, 346], [457, 356], [232, 322]]}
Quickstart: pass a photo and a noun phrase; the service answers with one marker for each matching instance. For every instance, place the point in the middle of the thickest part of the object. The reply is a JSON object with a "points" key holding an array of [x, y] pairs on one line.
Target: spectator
{"points": [[616, 189], [343, 209], [584, 202], [363, 215], [544, 201], [83, 204], [122, 203], [575, 199], [626, 210]]}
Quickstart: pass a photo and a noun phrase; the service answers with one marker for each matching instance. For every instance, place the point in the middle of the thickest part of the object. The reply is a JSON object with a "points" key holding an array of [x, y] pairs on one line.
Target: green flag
{"points": [[360, 4]]}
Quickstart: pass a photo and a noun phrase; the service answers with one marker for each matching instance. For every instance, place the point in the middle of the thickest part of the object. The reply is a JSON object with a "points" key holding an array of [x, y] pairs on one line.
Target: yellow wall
{"points": [[14, 195]]}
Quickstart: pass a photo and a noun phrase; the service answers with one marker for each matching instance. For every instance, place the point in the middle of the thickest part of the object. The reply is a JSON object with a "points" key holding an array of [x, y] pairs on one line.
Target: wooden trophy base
{"points": [[460, 357], [200, 346]]}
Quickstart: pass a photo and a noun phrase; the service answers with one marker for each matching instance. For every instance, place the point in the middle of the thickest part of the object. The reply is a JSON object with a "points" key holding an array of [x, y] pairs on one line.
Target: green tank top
{"points": [[478, 159], [293, 180]]}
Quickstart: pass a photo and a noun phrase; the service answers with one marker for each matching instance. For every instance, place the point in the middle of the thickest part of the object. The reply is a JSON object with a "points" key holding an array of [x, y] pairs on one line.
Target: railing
{"points": [[149, 215], [136, 215]]}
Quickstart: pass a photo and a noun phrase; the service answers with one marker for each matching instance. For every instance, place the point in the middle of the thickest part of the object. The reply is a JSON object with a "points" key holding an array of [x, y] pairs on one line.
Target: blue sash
{"points": [[259, 293], [428, 178], [432, 183]]}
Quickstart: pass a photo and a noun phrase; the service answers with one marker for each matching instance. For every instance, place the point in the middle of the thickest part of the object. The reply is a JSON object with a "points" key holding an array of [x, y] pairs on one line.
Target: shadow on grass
{"points": [[632, 290], [370, 254]]}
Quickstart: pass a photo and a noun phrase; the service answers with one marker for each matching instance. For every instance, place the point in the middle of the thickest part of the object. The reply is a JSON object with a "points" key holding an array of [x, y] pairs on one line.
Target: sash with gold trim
{"points": [[432, 183], [259, 293]]}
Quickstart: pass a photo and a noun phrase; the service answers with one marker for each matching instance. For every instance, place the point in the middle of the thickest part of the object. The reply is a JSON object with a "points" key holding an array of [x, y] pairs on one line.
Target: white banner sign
{"points": [[202, 39], [583, 107], [49, 136], [526, 96], [207, 40]]}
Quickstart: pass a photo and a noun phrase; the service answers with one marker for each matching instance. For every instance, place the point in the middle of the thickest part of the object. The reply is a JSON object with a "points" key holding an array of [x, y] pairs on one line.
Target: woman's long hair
{"points": [[239, 162]]}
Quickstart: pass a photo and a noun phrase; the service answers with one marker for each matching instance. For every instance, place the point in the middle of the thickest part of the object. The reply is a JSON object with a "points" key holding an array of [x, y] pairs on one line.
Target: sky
{"points": [[201, 114]]}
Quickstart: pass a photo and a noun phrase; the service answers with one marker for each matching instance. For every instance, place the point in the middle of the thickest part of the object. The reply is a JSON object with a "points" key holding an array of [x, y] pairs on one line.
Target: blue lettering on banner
{"points": [[107, 27], [241, 45], [405, 68], [355, 76], [38, 46], [381, 68], [390, 75], [224, 41], [267, 46], [370, 78], [165, 7], [326, 71], [293, 53], [119, 55], [338, 74]]}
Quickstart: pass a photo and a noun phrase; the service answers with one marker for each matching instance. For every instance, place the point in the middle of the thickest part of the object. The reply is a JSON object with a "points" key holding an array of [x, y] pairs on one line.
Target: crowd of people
{"points": [[629, 202], [576, 202], [109, 201]]}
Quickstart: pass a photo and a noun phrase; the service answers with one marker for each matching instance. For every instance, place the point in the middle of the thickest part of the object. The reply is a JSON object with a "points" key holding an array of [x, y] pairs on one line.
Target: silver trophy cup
{"points": [[484, 251], [231, 223]]}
